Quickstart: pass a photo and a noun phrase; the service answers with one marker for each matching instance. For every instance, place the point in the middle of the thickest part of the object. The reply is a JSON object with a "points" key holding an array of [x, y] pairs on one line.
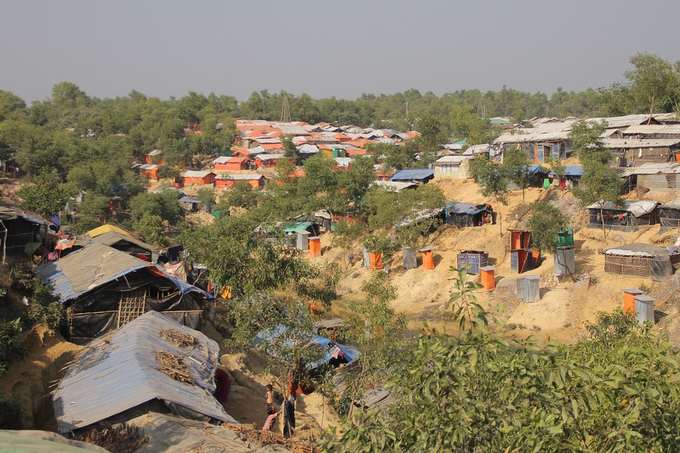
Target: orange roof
{"points": [[271, 146], [351, 152], [359, 142], [342, 137]]}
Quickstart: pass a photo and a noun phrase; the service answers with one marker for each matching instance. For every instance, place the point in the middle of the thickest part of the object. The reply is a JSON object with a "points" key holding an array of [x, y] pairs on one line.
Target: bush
{"points": [[10, 345]]}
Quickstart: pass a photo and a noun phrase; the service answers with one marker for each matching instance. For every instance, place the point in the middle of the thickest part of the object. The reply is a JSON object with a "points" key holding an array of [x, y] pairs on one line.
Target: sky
{"points": [[342, 48]]}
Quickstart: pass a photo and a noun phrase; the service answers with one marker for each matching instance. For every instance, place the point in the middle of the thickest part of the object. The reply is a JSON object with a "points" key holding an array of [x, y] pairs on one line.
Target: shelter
{"points": [[107, 228], [468, 215], [543, 141], [300, 227], [21, 232], [417, 175], [632, 152], [229, 163], [641, 260], [151, 364], [628, 216], [452, 167], [103, 288], [669, 215], [149, 171], [153, 157], [123, 243], [663, 177], [189, 203], [572, 176], [254, 180], [394, 186], [268, 160], [197, 177]]}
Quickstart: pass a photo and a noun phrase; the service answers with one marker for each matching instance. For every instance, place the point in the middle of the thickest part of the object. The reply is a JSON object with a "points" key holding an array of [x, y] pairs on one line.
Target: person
{"points": [[269, 397], [288, 422]]}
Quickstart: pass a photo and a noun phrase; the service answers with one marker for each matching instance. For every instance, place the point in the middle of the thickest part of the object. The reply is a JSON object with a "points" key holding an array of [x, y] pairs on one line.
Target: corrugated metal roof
{"points": [[86, 269], [241, 176], [652, 169], [112, 237], [416, 174], [269, 156], [120, 371], [623, 143], [10, 212], [394, 186], [196, 173], [637, 208], [650, 129]]}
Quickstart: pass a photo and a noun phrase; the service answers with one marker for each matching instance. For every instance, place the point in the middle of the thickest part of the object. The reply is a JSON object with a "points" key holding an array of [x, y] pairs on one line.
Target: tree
{"points": [[151, 228], [92, 212], [464, 303], [605, 393], [490, 177], [516, 167], [236, 257], [600, 183], [290, 150], [206, 196], [242, 195], [163, 204], [655, 83], [546, 222], [10, 104], [45, 195], [465, 123]]}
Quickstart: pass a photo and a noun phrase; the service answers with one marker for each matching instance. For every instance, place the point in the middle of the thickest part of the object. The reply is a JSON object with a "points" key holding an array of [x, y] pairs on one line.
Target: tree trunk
{"points": [[604, 232]]}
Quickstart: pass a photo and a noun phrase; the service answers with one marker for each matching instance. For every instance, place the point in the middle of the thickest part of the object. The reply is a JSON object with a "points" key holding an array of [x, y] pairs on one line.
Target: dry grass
{"points": [[181, 339], [174, 367]]}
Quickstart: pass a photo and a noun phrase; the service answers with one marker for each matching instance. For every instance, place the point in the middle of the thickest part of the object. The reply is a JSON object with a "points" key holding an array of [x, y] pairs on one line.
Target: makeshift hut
{"points": [[189, 203], [230, 163], [301, 227], [124, 243], [417, 175], [642, 260], [197, 177], [630, 215], [149, 171], [657, 177], [394, 186], [472, 261], [452, 167], [103, 288], [153, 157], [468, 215], [570, 177], [152, 364], [265, 160], [21, 232], [633, 152], [669, 215], [254, 180]]}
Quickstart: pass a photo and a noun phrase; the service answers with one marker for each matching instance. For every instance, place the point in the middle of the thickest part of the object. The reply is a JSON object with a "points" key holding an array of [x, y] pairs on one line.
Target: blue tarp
{"points": [[536, 170], [573, 170], [415, 174], [271, 335]]}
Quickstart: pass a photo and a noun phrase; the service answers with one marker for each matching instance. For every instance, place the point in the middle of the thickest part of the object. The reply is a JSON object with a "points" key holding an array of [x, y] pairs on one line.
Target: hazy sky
{"points": [[340, 48]]}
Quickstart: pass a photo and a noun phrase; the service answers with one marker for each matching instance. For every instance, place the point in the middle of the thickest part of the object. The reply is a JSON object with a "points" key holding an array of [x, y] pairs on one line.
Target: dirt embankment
{"points": [[30, 380]]}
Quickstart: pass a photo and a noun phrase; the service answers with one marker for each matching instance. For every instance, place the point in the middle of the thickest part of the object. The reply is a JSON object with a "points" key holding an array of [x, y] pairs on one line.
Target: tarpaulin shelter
{"points": [[642, 260], [107, 228], [123, 373], [418, 175], [103, 288], [20, 229], [468, 215]]}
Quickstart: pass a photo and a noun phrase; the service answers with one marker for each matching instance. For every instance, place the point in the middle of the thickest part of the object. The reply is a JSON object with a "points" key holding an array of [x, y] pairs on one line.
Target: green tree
{"points": [[45, 194], [516, 167], [151, 228], [290, 150], [242, 195], [546, 222], [207, 196], [10, 104], [463, 302], [655, 83], [163, 204]]}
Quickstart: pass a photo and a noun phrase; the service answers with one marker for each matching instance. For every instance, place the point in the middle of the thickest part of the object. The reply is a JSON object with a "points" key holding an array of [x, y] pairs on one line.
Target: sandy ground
{"points": [[565, 307], [247, 397]]}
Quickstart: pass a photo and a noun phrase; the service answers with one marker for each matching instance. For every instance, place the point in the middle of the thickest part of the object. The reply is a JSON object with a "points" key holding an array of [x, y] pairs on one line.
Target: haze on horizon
{"points": [[169, 47]]}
